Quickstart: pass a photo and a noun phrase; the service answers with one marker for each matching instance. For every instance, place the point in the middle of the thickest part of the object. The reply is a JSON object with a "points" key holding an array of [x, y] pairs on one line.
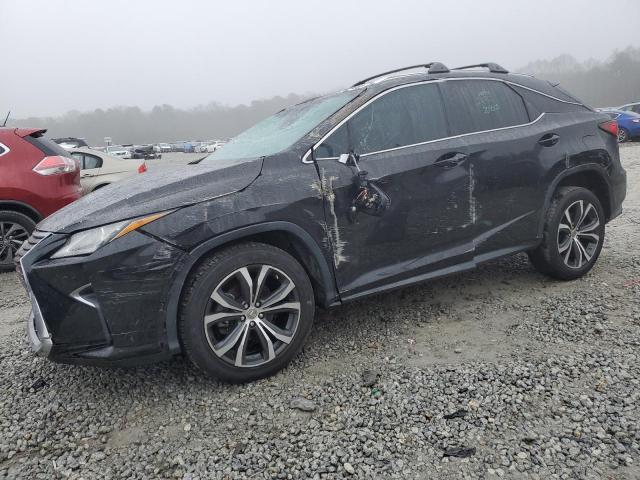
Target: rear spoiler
{"points": [[30, 132]]}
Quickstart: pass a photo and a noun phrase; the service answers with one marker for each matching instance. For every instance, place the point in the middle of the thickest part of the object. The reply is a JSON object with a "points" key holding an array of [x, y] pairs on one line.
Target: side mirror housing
{"points": [[349, 159]]}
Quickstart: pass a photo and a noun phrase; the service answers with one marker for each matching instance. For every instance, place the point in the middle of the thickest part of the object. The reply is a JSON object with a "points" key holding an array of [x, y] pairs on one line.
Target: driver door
{"points": [[401, 140]]}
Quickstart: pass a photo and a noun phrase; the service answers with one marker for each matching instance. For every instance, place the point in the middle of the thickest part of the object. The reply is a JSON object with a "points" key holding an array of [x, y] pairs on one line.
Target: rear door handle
{"points": [[549, 139], [451, 159]]}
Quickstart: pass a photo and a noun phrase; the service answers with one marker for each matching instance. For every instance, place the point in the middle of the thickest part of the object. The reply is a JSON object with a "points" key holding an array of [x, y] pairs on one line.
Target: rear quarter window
{"points": [[47, 146], [544, 103], [3, 149]]}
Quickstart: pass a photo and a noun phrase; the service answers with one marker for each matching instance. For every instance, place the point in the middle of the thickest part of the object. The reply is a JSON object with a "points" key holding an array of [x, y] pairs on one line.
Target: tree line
{"points": [[598, 83]]}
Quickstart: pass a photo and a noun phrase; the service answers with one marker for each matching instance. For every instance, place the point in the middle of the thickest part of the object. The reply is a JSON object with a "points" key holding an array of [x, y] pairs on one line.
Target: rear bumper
{"points": [[108, 308]]}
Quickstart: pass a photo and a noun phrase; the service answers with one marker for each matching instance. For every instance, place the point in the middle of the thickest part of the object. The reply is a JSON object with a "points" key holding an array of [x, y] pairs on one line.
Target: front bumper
{"points": [[107, 308]]}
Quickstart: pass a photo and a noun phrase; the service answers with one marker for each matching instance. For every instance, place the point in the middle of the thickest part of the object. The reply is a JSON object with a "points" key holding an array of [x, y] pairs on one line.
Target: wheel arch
{"points": [[285, 235], [592, 177], [20, 207]]}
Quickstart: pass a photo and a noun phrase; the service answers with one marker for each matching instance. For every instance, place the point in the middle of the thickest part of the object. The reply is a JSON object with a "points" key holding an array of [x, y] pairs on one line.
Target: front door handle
{"points": [[451, 159], [549, 140]]}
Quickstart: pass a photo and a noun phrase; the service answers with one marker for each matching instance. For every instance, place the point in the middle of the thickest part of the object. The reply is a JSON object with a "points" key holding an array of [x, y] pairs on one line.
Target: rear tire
{"points": [[246, 312], [573, 234], [15, 228]]}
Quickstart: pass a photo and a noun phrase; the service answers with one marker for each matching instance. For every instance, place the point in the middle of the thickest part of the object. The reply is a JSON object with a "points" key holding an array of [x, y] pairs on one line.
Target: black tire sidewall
{"points": [[558, 268], [207, 277], [21, 219]]}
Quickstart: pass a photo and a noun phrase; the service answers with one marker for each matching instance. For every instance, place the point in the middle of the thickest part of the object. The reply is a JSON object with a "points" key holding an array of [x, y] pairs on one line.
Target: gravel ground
{"points": [[500, 372]]}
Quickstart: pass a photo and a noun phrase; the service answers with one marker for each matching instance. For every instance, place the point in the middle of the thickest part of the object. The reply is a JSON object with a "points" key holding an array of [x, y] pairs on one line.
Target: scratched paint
{"points": [[324, 190]]}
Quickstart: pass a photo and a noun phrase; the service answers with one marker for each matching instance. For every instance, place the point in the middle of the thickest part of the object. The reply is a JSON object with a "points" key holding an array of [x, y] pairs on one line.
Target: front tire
{"points": [[573, 234], [246, 312], [15, 228]]}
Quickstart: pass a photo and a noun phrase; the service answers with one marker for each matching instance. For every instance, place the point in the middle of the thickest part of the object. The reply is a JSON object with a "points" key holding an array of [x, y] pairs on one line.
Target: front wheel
{"points": [[573, 234], [246, 311]]}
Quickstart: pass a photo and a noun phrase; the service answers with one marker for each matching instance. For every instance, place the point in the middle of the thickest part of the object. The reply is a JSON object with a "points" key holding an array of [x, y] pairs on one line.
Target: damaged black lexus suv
{"points": [[406, 176]]}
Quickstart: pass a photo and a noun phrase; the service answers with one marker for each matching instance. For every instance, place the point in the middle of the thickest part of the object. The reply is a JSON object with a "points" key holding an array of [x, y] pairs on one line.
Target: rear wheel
{"points": [[246, 312], [15, 228], [623, 135], [573, 234]]}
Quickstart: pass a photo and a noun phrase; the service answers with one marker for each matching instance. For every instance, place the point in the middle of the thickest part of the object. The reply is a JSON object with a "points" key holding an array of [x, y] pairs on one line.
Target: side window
{"points": [[3, 149], [477, 105], [91, 161], [636, 108], [405, 116], [335, 145], [80, 157]]}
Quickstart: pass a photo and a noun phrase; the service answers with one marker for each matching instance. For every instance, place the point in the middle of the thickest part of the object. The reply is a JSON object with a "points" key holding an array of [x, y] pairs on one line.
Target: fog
{"points": [[61, 55]]}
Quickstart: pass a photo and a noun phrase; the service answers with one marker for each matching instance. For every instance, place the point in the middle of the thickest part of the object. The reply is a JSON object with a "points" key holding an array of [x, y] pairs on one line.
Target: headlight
{"points": [[636, 120], [87, 242]]}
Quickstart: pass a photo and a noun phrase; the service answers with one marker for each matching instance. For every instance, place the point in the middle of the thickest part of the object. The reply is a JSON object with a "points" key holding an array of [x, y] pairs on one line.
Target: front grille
{"points": [[35, 237]]}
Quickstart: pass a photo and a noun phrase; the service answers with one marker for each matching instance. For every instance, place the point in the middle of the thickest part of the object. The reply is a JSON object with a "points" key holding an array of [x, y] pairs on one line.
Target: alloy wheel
{"points": [[577, 237], [12, 236], [252, 315]]}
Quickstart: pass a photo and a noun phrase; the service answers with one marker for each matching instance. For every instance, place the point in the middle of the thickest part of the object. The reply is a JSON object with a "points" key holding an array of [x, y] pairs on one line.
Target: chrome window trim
{"points": [[6, 149], [305, 157]]}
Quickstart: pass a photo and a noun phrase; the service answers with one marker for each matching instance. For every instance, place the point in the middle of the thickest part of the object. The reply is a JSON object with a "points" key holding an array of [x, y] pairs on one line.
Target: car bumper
{"points": [[108, 308]]}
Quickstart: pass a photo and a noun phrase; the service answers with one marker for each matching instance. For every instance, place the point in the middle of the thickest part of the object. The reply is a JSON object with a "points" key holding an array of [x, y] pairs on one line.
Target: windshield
{"points": [[281, 130]]}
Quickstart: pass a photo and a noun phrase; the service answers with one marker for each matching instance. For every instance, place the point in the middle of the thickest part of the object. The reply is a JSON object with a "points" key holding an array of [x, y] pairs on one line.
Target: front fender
{"points": [[191, 259]]}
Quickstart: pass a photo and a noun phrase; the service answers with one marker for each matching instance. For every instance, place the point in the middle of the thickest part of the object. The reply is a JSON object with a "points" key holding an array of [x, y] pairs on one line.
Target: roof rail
{"points": [[433, 67], [493, 67]]}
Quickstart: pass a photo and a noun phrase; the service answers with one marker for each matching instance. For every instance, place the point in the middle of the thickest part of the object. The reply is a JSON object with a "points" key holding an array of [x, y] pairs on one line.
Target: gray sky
{"points": [[59, 55]]}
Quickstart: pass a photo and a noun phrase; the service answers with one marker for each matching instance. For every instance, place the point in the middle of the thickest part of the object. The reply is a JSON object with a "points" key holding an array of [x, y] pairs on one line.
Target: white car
{"points": [[165, 147], [99, 169], [118, 151]]}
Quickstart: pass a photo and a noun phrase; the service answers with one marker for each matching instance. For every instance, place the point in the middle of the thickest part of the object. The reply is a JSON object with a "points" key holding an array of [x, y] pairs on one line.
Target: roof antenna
{"points": [[6, 118]]}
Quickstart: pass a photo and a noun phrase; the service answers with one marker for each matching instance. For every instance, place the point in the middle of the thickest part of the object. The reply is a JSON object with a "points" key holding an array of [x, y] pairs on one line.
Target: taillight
{"points": [[610, 126], [142, 168], [55, 164]]}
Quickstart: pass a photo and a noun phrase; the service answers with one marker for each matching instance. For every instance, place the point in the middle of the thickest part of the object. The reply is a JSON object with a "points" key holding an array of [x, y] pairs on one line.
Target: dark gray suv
{"points": [[406, 176]]}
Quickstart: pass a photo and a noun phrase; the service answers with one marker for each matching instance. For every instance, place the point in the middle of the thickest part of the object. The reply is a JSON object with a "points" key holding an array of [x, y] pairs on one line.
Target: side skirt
{"points": [[461, 267]]}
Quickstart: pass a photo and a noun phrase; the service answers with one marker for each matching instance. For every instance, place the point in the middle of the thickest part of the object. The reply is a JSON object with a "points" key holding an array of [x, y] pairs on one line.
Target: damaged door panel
{"points": [[427, 222], [403, 177]]}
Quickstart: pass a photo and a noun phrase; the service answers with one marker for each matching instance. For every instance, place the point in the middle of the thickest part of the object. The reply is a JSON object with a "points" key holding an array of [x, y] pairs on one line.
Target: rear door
{"points": [[90, 170], [402, 141], [504, 144]]}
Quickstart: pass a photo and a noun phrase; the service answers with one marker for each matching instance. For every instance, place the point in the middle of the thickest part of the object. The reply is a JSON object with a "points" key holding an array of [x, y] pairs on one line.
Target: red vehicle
{"points": [[37, 177]]}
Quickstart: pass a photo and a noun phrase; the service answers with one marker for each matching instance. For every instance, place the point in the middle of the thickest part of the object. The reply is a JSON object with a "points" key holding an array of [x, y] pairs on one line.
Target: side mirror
{"points": [[349, 159]]}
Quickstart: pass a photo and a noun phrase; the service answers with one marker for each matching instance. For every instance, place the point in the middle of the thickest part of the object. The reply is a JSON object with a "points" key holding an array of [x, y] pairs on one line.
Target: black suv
{"points": [[145, 152], [407, 176]]}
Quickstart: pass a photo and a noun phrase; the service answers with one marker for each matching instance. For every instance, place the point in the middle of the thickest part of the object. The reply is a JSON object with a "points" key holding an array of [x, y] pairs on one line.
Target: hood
{"points": [[153, 192]]}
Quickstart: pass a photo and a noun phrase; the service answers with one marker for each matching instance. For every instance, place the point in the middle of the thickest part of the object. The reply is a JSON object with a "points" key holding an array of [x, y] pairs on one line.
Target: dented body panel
{"points": [[450, 204]]}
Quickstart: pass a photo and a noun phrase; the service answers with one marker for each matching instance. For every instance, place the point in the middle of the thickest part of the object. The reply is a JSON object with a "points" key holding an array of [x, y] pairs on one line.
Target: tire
{"points": [[623, 135], [570, 248], [217, 290], [15, 228]]}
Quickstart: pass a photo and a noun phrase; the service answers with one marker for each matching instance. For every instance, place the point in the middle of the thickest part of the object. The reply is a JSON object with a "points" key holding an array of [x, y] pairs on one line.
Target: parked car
{"points": [[165, 147], [37, 177], [628, 123], [101, 169], [70, 142], [145, 152], [630, 107], [119, 151], [404, 177]]}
